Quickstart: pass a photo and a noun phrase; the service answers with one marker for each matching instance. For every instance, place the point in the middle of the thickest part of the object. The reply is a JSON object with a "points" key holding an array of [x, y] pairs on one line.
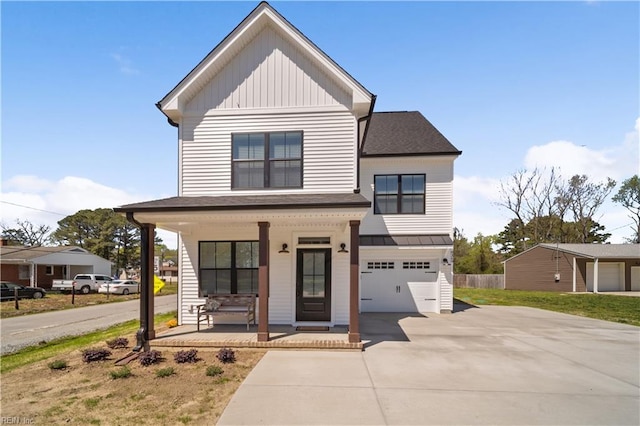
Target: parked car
{"points": [[82, 283], [7, 290], [120, 287]]}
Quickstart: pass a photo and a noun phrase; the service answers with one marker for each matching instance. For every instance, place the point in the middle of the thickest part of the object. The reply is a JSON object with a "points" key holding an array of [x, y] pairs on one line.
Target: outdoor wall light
{"points": [[343, 248], [284, 248]]}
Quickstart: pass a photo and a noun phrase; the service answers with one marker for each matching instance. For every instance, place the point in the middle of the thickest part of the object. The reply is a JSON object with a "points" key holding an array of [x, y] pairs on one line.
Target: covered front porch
{"points": [[237, 336], [286, 234]]}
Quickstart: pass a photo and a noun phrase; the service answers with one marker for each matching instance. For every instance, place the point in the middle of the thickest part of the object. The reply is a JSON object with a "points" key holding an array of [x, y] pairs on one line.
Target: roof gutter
{"points": [[364, 137], [169, 120]]}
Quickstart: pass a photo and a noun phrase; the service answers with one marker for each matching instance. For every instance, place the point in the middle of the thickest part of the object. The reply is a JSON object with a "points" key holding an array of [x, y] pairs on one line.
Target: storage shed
{"points": [[575, 268]]}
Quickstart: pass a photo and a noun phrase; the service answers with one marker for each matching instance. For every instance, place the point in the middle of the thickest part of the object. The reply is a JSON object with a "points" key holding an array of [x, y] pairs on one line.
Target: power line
{"points": [[32, 208]]}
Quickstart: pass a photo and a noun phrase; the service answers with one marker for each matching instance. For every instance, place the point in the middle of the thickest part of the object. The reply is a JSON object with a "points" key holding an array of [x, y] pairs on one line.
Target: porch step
{"points": [[311, 328], [271, 344]]}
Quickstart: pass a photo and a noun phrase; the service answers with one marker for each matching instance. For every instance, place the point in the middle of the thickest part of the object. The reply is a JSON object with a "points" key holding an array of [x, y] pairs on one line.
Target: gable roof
{"points": [[264, 14], [593, 251], [404, 133], [24, 253]]}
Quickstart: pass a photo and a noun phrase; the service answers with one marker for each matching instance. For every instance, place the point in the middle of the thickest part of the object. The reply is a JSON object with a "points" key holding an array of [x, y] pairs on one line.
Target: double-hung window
{"points": [[228, 267], [266, 160], [399, 194]]}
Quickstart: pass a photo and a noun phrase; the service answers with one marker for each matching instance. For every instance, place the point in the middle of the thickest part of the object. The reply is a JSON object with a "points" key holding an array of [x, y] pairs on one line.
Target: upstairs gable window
{"points": [[266, 160], [399, 194]]}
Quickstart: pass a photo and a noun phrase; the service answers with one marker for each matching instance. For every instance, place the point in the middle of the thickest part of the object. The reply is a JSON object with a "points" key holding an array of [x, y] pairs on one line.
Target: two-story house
{"points": [[292, 188]]}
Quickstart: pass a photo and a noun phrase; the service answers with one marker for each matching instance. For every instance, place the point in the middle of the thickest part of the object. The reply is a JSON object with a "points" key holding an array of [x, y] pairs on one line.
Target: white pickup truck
{"points": [[83, 283]]}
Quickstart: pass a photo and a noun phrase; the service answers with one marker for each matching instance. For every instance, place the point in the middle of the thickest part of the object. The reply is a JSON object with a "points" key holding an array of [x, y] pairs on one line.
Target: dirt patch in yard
{"points": [[86, 393]]}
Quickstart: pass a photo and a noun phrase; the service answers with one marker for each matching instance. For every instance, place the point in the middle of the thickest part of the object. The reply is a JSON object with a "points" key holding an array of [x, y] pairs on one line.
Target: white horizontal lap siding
{"points": [[189, 281], [281, 291], [269, 73], [328, 150], [446, 291], [340, 284], [438, 217]]}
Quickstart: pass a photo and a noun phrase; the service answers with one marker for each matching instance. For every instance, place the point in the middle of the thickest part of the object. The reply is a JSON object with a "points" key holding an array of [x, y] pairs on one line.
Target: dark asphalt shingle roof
{"points": [[248, 202], [405, 240], [404, 133]]}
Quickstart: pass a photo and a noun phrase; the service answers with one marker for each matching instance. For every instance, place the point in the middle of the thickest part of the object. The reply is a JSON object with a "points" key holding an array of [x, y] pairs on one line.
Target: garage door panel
{"points": [[411, 288], [609, 276]]}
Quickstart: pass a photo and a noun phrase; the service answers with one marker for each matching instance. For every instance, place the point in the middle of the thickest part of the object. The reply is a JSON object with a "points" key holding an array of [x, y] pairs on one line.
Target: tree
{"points": [[629, 197], [583, 199], [476, 257], [26, 234], [104, 233]]}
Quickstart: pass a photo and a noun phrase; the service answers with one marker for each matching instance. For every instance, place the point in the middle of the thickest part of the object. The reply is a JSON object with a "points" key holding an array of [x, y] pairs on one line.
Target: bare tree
{"points": [[26, 233], [584, 198]]}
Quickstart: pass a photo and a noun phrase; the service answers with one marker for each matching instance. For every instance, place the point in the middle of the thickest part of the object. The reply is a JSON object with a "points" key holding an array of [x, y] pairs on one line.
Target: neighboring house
{"points": [[575, 268], [290, 187], [39, 266]]}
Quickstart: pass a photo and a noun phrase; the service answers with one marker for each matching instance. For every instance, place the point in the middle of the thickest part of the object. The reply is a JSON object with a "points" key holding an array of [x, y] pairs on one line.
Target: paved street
{"points": [[19, 332], [494, 365]]}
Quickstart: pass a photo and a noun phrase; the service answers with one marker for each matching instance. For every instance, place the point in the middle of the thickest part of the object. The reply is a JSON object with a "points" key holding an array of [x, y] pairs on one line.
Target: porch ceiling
{"points": [[187, 214]]}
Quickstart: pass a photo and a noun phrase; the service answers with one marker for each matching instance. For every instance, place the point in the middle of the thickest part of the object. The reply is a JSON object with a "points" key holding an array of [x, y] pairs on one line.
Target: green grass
{"points": [[621, 309], [57, 347]]}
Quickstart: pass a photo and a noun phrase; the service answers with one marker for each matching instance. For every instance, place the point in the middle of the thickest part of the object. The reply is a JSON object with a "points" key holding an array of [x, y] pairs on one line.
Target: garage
{"points": [[610, 275], [399, 286]]}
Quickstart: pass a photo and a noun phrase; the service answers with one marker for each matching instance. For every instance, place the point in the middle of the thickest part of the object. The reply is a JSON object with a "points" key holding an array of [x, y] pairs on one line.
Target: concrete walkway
{"points": [[28, 330], [491, 365]]}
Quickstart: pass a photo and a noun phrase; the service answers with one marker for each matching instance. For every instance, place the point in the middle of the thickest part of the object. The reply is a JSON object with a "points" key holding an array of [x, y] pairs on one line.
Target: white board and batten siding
{"points": [[438, 217], [269, 72], [328, 151]]}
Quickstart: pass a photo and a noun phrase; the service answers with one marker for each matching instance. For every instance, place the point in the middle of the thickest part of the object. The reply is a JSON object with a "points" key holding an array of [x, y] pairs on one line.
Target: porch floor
{"points": [[237, 336]]}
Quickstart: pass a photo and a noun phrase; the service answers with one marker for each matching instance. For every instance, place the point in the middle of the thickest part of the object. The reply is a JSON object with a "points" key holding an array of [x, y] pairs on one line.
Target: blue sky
{"points": [[511, 84]]}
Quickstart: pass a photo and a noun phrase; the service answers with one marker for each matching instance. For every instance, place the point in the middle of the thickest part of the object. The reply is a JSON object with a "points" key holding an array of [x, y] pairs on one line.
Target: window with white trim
{"points": [[48, 270]]}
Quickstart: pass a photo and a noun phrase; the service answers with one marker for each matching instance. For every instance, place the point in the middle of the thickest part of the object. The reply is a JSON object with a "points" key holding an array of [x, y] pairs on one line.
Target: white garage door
{"points": [[399, 286], [609, 276]]}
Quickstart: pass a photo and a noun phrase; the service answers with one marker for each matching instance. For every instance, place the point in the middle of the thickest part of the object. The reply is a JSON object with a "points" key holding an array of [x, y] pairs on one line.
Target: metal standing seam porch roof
{"points": [[405, 240]]}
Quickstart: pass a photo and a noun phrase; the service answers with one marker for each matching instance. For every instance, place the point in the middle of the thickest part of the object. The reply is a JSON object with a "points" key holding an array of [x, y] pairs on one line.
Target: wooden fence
{"points": [[478, 281]]}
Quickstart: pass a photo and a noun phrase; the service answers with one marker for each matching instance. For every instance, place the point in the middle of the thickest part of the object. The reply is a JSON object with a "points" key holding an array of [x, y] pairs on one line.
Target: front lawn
{"points": [[58, 301], [622, 309]]}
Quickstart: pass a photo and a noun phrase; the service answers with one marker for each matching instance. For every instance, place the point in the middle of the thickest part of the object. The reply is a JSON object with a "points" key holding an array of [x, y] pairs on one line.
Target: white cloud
{"points": [[124, 64], [45, 202], [474, 203]]}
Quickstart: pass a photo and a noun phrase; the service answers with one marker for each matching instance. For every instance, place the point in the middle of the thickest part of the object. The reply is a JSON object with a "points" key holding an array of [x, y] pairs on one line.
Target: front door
{"points": [[313, 285]]}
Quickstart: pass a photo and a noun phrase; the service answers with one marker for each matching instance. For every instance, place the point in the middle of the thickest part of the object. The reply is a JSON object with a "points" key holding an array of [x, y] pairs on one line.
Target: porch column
{"points": [[575, 269], [354, 278], [146, 331], [595, 275], [263, 282]]}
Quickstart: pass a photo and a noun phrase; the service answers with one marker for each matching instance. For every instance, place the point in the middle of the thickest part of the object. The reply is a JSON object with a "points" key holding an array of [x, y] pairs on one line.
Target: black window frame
{"points": [[233, 267], [267, 161], [399, 195]]}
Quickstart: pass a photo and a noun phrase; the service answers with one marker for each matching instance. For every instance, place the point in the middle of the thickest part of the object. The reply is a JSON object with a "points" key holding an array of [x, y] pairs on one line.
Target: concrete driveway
{"points": [[491, 365]]}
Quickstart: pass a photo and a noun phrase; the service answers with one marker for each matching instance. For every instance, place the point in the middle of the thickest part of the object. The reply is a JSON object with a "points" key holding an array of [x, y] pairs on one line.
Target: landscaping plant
{"points": [[95, 354], [150, 357], [118, 343], [226, 355]]}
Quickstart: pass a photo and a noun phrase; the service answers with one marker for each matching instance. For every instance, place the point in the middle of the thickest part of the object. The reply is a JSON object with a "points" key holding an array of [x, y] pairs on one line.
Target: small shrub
{"points": [[226, 355], [165, 372], [150, 357], [92, 402], [95, 354], [118, 343], [58, 364], [172, 323], [214, 370], [189, 356], [122, 373]]}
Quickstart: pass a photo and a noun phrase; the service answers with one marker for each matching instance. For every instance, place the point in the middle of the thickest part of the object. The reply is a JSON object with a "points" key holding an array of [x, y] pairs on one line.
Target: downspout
{"points": [[364, 137], [141, 341]]}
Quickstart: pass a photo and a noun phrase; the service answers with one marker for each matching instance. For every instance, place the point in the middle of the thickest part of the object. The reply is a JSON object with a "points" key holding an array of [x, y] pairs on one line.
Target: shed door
{"points": [[398, 286], [635, 278], [609, 276]]}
